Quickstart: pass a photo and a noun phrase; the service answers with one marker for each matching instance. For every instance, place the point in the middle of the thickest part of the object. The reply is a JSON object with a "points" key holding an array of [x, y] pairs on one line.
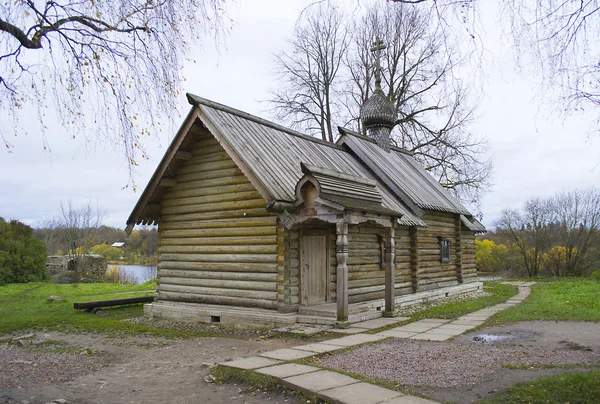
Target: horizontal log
{"points": [[200, 166], [203, 149], [252, 294], [219, 283], [435, 275], [228, 172], [246, 258], [179, 195], [364, 268], [221, 223], [214, 156], [218, 249], [193, 188], [362, 260], [227, 231], [214, 207], [366, 275], [222, 241], [438, 281], [113, 302], [211, 299], [231, 214], [361, 283], [218, 266], [215, 198], [235, 276], [365, 290]]}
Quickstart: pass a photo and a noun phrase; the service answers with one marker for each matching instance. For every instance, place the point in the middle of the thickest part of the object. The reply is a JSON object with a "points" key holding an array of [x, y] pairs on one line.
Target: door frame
{"points": [[315, 232]]}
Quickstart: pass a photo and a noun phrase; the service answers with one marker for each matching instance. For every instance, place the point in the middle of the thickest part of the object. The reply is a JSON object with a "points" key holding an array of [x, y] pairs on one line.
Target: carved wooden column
{"points": [[342, 275], [459, 272], [414, 258], [390, 271]]}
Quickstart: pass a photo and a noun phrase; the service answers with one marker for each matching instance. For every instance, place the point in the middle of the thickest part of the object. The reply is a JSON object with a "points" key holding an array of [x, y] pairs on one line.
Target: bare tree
{"points": [[109, 68], [310, 71], [434, 109], [578, 220], [529, 231], [80, 227], [562, 37]]}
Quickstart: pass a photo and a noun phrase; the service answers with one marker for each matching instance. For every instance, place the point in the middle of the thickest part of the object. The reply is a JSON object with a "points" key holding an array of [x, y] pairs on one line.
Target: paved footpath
{"points": [[337, 388]]}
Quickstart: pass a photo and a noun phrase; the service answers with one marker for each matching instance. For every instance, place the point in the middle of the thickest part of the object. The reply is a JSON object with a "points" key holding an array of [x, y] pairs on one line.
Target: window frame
{"points": [[444, 250]]}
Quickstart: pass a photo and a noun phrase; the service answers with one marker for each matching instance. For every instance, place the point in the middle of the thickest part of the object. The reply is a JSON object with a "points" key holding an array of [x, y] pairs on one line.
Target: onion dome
{"points": [[378, 115], [378, 111]]}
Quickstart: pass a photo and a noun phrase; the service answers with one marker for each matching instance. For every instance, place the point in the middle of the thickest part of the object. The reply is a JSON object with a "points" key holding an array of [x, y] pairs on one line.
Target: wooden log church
{"points": [[260, 224]]}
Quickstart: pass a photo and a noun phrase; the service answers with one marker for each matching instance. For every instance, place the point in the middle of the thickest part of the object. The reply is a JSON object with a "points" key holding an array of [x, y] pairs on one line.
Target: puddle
{"points": [[511, 336]]}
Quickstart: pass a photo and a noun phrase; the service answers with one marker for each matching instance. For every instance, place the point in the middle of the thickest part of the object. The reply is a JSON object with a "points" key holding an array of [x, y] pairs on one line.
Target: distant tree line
{"points": [[556, 236], [78, 230]]}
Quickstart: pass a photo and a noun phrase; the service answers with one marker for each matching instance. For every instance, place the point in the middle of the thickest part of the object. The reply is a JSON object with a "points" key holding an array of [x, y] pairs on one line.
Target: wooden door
{"points": [[314, 269]]}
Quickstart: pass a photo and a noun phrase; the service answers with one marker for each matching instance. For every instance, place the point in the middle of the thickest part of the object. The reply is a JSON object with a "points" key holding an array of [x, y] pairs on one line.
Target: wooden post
{"points": [[414, 258], [390, 271], [342, 275], [459, 272]]}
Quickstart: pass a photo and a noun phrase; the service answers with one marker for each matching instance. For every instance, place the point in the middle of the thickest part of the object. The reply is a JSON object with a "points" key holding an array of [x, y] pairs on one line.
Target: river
{"points": [[138, 273]]}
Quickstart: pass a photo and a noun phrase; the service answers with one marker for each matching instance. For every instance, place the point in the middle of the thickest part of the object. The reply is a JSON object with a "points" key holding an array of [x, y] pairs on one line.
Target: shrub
{"points": [[115, 275], [22, 255], [595, 275]]}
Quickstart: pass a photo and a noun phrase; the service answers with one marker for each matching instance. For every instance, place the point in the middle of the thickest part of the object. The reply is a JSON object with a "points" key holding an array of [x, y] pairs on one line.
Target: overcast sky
{"points": [[535, 153]]}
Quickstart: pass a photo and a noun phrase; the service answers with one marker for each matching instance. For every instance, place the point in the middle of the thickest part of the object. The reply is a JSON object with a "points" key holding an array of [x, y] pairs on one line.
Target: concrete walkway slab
{"points": [[287, 370], [395, 333], [433, 337], [434, 320], [253, 362], [356, 339], [315, 382], [379, 322], [472, 323], [408, 400], [450, 328], [417, 327], [318, 347], [350, 330], [358, 393], [288, 354]]}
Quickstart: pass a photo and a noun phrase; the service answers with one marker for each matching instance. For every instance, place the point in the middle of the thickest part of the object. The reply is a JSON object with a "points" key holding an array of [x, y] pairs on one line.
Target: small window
{"points": [[444, 250]]}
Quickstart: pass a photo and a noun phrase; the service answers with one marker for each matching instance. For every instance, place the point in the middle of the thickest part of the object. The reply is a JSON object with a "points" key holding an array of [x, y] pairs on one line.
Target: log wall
{"points": [[218, 244], [468, 255], [432, 273]]}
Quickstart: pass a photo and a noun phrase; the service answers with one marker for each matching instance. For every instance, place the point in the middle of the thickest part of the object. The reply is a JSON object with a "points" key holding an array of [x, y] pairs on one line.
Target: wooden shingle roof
{"points": [[273, 157]]}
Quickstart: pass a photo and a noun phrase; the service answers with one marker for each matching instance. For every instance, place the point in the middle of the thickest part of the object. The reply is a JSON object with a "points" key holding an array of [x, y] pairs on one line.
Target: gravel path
{"points": [[27, 365], [445, 364]]}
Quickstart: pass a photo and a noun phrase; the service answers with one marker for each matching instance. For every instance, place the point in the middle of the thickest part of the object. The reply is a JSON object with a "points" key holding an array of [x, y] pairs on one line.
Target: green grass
{"points": [[573, 388], [24, 306], [499, 293], [572, 299]]}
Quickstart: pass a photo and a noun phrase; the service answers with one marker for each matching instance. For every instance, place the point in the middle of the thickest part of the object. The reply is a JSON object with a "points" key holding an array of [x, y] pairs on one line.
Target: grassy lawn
{"points": [[24, 306], [557, 300], [499, 293], [573, 388]]}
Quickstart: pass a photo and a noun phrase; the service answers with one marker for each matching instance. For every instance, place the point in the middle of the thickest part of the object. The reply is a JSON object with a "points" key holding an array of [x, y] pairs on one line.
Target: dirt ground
{"points": [[93, 368]]}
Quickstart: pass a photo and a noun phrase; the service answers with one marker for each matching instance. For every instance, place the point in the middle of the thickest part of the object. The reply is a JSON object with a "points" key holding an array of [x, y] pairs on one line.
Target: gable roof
{"points": [[399, 170], [272, 157]]}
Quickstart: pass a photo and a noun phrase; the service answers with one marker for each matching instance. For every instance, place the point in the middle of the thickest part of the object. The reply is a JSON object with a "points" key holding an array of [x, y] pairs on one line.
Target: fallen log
{"points": [[114, 302]]}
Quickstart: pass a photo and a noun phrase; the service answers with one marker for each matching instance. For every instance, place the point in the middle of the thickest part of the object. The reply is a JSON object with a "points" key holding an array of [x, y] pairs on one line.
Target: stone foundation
{"points": [[262, 318]]}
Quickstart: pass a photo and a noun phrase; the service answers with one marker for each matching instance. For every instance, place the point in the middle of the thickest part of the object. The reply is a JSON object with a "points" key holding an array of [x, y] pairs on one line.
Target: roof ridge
{"points": [[196, 100], [345, 131]]}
